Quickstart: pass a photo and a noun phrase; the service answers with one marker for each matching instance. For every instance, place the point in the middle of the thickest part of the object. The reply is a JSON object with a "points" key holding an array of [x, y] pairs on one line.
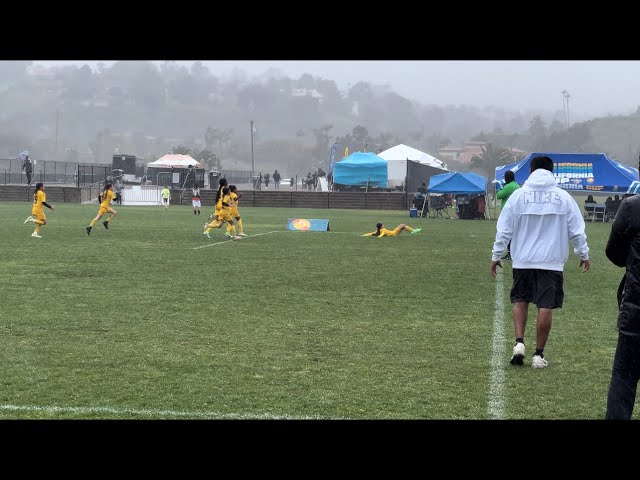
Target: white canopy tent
{"points": [[397, 157], [404, 152], [175, 160]]}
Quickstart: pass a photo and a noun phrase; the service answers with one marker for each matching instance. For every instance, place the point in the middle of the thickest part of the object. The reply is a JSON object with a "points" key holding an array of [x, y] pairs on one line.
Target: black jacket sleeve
{"points": [[617, 248], [46, 204]]}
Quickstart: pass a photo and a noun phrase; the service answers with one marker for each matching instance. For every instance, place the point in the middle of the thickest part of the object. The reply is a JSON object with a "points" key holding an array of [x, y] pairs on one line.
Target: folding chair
{"points": [[589, 211], [439, 206], [599, 212]]}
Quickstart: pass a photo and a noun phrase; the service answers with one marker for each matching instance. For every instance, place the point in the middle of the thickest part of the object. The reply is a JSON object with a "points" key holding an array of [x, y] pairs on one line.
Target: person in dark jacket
{"points": [[27, 166], [623, 249]]}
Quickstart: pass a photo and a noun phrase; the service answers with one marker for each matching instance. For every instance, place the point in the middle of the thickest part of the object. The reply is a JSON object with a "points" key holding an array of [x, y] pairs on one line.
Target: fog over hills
{"points": [[85, 110]]}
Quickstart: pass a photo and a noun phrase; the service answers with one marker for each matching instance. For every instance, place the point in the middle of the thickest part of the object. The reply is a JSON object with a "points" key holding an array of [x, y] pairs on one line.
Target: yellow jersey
{"points": [[383, 233], [38, 198], [225, 199], [106, 197], [219, 202], [234, 200]]}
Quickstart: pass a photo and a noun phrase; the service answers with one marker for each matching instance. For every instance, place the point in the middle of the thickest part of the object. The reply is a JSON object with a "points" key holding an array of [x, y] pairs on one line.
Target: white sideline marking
{"points": [[157, 413], [496, 384], [229, 240]]}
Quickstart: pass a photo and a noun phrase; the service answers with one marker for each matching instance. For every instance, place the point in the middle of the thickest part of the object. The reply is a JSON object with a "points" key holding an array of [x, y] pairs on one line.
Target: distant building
{"points": [[464, 153]]}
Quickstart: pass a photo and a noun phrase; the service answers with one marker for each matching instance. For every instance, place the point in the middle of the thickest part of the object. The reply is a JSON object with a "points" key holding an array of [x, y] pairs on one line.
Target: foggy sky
{"points": [[596, 87]]}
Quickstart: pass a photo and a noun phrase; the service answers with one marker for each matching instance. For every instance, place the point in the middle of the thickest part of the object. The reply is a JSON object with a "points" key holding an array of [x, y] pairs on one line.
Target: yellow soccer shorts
{"points": [[38, 214], [102, 211], [224, 216]]}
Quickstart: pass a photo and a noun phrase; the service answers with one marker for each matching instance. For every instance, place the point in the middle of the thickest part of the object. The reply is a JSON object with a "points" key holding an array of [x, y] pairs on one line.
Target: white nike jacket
{"points": [[540, 219]]}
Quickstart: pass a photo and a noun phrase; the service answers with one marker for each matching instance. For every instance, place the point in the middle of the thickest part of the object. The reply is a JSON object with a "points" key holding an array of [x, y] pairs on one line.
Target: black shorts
{"points": [[540, 287]]}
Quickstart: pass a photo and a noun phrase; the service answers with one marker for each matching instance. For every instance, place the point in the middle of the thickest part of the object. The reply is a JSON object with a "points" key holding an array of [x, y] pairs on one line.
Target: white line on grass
{"points": [[496, 385], [156, 413], [227, 241]]}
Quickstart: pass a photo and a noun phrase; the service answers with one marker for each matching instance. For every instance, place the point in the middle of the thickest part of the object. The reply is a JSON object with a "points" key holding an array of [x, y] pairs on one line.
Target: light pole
{"points": [[56, 153], [565, 107], [253, 164]]}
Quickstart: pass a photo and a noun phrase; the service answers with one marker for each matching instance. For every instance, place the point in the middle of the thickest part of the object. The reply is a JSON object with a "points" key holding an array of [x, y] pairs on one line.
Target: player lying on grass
{"points": [[383, 232]]}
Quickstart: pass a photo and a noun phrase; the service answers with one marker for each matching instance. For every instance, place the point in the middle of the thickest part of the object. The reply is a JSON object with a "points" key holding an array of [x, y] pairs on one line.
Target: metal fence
{"points": [[48, 171], [92, 173], [141, 195], [237, 176]]}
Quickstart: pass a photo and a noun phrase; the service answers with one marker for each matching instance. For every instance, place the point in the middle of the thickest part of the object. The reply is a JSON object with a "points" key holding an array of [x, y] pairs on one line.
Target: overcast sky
{"points": [[596, 87]]}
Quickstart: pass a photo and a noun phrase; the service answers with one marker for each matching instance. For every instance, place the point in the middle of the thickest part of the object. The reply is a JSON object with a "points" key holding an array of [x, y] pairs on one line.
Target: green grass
{"points": [[137, 322]]}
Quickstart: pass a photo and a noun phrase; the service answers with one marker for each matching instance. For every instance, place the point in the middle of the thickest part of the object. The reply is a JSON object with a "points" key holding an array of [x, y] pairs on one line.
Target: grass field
{"points": [[150, 320]]}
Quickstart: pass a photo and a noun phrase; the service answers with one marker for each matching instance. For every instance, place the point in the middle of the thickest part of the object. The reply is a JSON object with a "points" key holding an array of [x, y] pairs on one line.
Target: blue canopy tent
{"points": [[579, 172], [466, 185], [361, 169], [457, 182]]}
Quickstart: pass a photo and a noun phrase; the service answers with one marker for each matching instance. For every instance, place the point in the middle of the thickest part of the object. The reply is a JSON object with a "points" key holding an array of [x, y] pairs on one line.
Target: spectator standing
{"points": [[27, 166], [623, 249], [539, 219], [503, 195], [276, 180], [266, 181], [118, 189]]}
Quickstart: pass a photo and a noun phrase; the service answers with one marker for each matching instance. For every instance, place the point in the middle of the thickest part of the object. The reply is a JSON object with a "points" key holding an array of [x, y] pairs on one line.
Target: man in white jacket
{"points": [[539, 219]]}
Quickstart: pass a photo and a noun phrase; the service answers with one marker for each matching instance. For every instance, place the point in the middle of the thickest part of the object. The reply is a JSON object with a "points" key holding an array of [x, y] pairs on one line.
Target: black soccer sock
{"points": [[519, 340], [539, 352]]}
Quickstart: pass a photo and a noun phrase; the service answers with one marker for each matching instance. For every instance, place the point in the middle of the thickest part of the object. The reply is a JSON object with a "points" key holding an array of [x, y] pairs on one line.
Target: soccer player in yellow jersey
{"points": [[233, 210], [225, 215], [105, 206], [216, 223], [383, 232], [37, 212]]}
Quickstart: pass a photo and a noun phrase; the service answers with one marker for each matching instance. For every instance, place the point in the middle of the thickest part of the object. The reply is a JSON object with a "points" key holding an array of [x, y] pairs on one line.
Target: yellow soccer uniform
{"points": [[225, 211], [384, 233], [233, 208], [37, 211], [218, 205], [105, 201]]}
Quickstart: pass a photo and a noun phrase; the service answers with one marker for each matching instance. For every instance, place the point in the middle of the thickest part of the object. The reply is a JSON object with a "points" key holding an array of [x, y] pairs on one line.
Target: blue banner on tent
{"points": [[309, 224], [588, 172]]}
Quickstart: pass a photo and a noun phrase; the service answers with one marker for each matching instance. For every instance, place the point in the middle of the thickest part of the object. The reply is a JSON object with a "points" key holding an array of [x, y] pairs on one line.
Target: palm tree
{"points": [[490, 158]]}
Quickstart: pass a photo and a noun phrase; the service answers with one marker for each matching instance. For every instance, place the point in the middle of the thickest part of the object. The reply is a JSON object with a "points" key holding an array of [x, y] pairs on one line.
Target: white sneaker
{"points": [[237, 238], [518, 354], [228, 235], [243, 235], [34, 234], [29, 219], [538, 362]]}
